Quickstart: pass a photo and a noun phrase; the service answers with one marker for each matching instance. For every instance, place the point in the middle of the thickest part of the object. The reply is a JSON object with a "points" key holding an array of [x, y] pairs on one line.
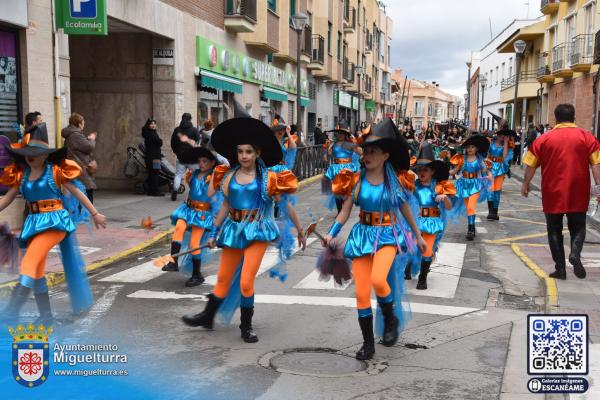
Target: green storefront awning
{"points": [[220, 82], [274, 94], [304, 101]]}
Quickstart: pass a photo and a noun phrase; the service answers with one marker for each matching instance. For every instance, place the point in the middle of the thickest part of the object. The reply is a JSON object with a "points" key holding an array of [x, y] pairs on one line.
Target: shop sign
{"points": [[81, 17], [163, 56], [214, 57]]}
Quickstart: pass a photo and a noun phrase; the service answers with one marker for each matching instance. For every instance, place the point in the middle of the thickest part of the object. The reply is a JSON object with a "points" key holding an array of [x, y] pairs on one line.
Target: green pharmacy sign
{"points": [[82, 17]]}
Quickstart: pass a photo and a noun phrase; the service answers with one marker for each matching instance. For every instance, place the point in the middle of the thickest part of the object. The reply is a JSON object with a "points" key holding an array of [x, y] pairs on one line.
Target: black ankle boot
{"points": [[390, 328], [205, 318], [496, 216], [197, 278], [578, 268], [43, 304], [18, 297], [368, 348], [471, 232], [422, 283], [557, 248], [173, 266], [248, 333], [560, 273], [408, 272], [490, 216]]}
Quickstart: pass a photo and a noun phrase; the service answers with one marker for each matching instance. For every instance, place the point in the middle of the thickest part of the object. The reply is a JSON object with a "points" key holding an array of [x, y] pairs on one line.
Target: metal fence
{"points": [[310, 161]]}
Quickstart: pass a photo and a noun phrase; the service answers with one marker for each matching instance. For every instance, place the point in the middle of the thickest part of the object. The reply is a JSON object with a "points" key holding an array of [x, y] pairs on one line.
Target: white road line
{"points": [[138, 274], [477, 219], [83, 249], [102, 305], [349, 302], [593, 377], [313, 281], [481, 229], [443, 279]]}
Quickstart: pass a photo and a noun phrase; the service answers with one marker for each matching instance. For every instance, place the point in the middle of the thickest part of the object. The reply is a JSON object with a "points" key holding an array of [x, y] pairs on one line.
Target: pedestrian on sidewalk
{"points": [[80, 148], [244, 225], [152, 146], [500, 155], [32, 119], [40, 174], [320, 137], [378, 240], [518, 140], [474, 183], [183, 139], [565, 154]]}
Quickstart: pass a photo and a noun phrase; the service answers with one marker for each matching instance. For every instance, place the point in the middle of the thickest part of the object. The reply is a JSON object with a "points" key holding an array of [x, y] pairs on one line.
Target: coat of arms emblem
{"points": [[30, 354]]}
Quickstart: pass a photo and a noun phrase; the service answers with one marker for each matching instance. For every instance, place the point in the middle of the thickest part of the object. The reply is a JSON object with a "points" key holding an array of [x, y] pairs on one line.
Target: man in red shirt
{"points": [[565, 154]]}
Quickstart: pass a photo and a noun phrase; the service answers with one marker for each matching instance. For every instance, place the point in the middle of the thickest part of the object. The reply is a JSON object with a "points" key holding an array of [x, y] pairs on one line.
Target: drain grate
{"points": [[317, 362]]}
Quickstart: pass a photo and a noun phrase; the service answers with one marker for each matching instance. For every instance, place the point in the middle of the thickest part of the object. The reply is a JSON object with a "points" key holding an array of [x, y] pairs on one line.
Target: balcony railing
{"points": [[549, 6], [368, 42], [350, 22], [559, 57], [318, 49], [582, 50], [241, 8], [306, 45], [524, 76], [347, 10], [348, 71]]}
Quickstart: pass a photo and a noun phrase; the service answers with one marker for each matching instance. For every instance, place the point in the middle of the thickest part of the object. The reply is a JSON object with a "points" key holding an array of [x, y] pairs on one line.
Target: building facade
{"points": [[557, 66], [424, 103], [163, 58]]}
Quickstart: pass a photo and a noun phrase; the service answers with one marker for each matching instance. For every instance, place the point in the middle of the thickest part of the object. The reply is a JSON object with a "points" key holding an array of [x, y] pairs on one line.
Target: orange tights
{"points": [[497, 183], [471, 203], [33, 264], [230, 259], [197, 233], [372, 271], [430, 240]]}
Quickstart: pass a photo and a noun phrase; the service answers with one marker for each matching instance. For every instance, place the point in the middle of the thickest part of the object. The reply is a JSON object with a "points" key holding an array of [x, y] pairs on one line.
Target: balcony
{"points": [[348, 71], [266, 40], [544, 74], [350, 22], [528, 86], [317, 58], [560, 67], [548, 7], [240, 15], [368, 42], [306, 45], [582, 53]]}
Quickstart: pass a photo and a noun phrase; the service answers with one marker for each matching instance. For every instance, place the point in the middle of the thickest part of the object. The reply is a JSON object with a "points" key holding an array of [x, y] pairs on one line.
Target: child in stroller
{"points": [[135, 167]]}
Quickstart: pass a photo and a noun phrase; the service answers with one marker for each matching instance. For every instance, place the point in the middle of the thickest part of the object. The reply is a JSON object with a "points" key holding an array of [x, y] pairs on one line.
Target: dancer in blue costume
{"points": [[196, 212], [434, 193], [473, 184], [500, 155], [244, 226], [343, 150], [39, 174], [381, 190]]}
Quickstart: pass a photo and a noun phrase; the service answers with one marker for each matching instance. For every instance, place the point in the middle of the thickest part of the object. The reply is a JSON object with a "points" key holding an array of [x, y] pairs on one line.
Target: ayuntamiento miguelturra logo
{"points": [[30, 354]]}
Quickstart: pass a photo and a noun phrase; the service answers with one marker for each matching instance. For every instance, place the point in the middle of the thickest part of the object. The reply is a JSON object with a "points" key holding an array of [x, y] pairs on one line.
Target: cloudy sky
{"points": [[432, 38]]}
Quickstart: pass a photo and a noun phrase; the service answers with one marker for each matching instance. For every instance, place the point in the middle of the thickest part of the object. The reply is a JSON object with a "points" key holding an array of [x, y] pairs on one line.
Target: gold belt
{"points": [[469, 175], [198, 205], [430, 212], [42, 206], [496, 159], [375, 218], [241, 215], [342, 160]]}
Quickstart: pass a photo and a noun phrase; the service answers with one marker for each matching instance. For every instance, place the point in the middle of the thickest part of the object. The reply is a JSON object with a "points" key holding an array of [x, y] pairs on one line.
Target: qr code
{"points": [[557, 344]]}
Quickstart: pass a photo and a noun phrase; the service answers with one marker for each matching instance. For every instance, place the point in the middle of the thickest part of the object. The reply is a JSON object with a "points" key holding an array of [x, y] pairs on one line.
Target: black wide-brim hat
{"points": [[35, 144], [427, 159], [507, 132], [233, 132], [192, 155], [481, 142], [386, 136], [342, 127]]}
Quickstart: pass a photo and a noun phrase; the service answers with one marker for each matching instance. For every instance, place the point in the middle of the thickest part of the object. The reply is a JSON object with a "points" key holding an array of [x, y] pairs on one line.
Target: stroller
{"points": [[135, 168]]}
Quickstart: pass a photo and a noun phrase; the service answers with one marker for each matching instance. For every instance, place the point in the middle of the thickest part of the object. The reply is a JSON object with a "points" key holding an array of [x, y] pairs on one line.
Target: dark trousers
{"points": [[576, 225], [152, 180], [517, 155], [90, 195]]}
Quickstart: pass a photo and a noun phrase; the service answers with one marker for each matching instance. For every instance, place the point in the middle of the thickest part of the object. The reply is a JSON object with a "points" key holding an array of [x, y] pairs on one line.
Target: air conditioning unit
{"points": [[597, 49]]}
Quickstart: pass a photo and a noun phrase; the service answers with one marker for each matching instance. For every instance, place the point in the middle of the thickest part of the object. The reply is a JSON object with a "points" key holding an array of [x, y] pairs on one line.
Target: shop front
{"points": [[347, 106]]}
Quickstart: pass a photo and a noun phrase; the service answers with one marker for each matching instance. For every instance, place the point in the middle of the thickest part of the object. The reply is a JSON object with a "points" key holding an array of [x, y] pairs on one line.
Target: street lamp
{"points": [[299, 21], [520, 46], [360, 70], [483, 81], [468, 97]]}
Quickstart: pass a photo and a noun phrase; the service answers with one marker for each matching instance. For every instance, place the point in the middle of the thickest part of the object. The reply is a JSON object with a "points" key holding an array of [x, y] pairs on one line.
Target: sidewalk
{"points": [[574, 296]]}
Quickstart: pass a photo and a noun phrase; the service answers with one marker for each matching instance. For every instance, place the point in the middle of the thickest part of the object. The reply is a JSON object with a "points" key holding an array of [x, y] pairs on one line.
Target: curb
{"points": [[56, 278], [308, 181], [551, 298]]}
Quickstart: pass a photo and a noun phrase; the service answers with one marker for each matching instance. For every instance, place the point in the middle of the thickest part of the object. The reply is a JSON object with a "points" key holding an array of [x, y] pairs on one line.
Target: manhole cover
{"points": [[316, 362]]}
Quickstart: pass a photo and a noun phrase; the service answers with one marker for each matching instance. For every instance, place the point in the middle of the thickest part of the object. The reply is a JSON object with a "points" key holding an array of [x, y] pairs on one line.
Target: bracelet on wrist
{"points": [[335, 229]]}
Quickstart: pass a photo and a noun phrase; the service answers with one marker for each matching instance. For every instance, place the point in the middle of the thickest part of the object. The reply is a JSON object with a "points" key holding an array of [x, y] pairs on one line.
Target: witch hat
{"points": [[35, 144], [278, 123], [386, 136], [481, 142], [427, 159]]}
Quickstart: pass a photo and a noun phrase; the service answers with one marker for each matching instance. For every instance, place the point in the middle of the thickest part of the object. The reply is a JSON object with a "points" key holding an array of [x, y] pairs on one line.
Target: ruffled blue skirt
{"points": [[467, 187], [363, 239], [335, 169], [499, 169], [430, 225], [201, 219], [239, 235], [58, 220]]}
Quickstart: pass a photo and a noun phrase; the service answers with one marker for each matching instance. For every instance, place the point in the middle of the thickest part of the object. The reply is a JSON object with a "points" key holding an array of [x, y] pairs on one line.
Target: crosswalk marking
{"points": [[481, 229], [348, 302], [313, 281], [443, 279], [138, 274], [83, 249]]}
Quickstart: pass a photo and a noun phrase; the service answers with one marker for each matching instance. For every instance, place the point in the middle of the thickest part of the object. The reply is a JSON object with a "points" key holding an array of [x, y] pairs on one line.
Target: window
{"points": [[339, 46], [497, 68], [589, 29], [329, 38], [570, 32], [510, 67], [430, 110], [292, 8], [418, 108], [503, 70], [272, 5], [490, 81]]}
